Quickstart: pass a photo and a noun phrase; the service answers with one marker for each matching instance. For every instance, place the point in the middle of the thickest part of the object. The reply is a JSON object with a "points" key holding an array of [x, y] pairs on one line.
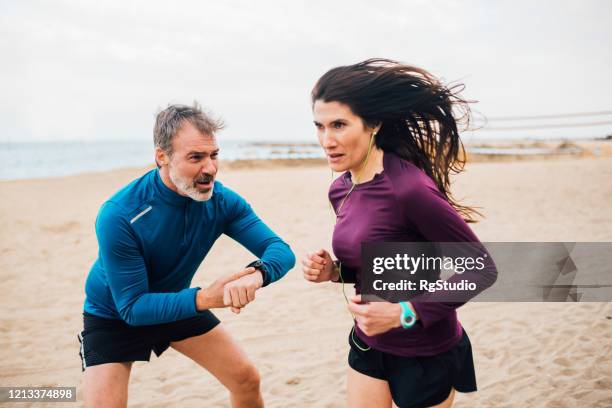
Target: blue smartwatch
{"points": [[408, 318]]}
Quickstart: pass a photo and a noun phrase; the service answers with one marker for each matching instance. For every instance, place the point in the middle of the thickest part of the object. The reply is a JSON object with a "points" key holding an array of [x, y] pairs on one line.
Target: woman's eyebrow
{"points": [[331, 121]]}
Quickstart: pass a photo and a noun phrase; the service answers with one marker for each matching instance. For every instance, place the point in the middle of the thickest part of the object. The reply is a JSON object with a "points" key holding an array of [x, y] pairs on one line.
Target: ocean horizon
{"points": [[23, 160]]}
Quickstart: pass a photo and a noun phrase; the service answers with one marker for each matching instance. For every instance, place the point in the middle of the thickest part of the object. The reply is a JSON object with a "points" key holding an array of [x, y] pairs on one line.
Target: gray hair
{"points": [[170, 120]]}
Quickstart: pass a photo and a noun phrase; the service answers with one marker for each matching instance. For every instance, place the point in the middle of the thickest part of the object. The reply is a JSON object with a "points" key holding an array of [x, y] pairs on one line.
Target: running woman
{"points": [[392, 129]]}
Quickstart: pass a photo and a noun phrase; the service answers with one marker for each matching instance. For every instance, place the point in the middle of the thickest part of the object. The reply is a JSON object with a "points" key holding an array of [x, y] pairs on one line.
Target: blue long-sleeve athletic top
{"points": [[152, 240]]}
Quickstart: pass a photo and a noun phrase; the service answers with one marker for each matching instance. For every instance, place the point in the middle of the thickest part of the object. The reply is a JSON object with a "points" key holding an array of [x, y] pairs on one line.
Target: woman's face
{"points": [[342, 135]]}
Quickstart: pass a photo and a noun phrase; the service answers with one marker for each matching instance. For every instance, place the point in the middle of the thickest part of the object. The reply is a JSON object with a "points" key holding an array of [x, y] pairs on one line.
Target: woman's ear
{"points": [[376, 129]]}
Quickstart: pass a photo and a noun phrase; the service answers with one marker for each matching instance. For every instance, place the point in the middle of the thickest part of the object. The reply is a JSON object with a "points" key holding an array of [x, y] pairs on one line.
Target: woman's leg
{"points": [[448, 402], [364, 391]]}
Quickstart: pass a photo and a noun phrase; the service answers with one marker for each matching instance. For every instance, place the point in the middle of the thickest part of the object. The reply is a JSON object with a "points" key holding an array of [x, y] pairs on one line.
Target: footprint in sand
{"points": [[562, 361], [568, 372], [59, 228], [603, 384], [167, 389], [293, 381], [489, 354]]}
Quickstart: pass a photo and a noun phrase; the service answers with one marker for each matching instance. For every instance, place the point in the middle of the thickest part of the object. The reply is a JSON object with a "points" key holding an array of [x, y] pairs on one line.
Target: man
{"points": [[152, 236]]}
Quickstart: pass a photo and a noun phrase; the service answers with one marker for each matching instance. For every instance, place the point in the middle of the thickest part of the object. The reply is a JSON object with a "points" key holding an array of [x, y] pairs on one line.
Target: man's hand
{"points": [[240, 292], [319, 267], [214, 296], [376, 317]]}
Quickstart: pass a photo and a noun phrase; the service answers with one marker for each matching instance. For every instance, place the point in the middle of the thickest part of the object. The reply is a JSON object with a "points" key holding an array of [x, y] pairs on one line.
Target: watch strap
{"points": [[259, 265], [408, 318]]}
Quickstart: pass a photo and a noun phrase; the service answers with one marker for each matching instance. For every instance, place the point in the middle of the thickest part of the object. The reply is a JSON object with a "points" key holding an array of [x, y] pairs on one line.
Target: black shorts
{"points": [[114, 341], [418, 381]]}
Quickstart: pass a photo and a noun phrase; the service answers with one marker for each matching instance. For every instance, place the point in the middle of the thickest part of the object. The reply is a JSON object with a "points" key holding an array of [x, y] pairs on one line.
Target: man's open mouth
{"points": [[204, 183]]}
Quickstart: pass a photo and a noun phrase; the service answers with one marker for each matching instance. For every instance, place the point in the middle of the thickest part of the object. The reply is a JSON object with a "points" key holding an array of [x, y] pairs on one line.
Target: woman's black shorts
{"points": [[418, 381], [113, 341]]}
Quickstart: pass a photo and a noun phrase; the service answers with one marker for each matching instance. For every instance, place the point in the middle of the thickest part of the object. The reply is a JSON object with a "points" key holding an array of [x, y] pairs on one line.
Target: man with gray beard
{"points": [[152, 236]]}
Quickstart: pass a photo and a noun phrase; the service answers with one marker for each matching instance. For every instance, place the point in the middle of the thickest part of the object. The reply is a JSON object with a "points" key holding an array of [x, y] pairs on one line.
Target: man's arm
{"points": [[127, 275], [250, 231]]}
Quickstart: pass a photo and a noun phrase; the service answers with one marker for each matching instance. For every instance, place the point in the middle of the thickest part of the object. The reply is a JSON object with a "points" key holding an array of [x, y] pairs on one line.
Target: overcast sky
{"points": [[80, 70]]}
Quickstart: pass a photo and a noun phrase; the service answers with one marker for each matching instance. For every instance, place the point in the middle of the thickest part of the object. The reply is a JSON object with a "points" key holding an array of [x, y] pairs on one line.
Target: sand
{"points": [[526, 355]]}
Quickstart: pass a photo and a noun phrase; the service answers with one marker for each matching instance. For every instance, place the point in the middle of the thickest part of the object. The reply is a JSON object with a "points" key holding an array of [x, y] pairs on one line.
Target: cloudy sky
{"points": [[84, 70]]}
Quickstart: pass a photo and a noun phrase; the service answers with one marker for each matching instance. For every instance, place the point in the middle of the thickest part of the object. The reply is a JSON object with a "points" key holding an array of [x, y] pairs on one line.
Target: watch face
{"points": [[409, 319]]}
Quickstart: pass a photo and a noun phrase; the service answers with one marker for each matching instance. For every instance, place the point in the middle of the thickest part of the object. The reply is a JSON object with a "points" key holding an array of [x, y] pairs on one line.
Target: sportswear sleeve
{"points": [[127, 275], [245, 227], [346, 274], [426, 210]]}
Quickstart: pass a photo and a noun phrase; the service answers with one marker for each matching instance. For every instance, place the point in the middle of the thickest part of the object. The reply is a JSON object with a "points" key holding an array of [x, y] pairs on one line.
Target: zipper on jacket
{"points": [[186, 216]]}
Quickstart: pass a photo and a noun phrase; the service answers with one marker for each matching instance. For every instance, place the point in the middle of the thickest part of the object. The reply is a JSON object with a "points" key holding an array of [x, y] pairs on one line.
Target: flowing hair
{"points": [[417, 114]]}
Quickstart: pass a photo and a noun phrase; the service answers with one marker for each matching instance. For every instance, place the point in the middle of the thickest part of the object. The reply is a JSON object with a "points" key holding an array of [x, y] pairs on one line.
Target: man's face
{"points": [[194, 162]]}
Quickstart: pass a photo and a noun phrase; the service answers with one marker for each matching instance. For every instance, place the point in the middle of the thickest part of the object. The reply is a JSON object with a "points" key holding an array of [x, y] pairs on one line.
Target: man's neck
{"points": [[165, 177]]}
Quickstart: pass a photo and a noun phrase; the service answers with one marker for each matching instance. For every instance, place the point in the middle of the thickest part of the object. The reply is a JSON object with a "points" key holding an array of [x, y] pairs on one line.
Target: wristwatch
{"points": [[261, 268], [408, 318]]}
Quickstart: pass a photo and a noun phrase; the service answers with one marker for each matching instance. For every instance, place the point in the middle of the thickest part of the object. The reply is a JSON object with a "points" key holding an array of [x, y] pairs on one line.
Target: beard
{"points": [[189, 187]]}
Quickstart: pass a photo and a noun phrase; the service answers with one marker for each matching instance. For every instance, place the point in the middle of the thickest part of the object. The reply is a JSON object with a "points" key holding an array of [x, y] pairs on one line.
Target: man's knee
{"points": [[246, 379]]}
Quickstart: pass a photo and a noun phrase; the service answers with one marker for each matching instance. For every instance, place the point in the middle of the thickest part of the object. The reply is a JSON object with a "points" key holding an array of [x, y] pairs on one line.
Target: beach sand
{"points": [[526, 354]]}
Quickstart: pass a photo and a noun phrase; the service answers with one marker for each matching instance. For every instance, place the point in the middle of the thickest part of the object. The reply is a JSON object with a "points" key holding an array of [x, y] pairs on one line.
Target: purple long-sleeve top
{"points": [[401, 204]]}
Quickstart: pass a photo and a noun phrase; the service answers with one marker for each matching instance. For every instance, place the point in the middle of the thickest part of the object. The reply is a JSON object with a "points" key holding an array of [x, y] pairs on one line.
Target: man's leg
{"points": [[106, 385], [218, 353]]}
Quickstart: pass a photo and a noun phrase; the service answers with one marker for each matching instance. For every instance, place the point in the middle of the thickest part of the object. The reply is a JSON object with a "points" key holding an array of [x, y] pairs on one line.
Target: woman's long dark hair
{"points": [[417, 113]]}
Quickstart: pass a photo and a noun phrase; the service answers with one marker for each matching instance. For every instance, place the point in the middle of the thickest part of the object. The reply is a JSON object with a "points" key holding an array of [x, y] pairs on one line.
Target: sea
{"points": [[56, 159], [20, 160]]}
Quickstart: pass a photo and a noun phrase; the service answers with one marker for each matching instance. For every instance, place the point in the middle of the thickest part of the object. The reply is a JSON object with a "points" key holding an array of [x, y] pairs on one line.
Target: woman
{"points": [[392, 129]]}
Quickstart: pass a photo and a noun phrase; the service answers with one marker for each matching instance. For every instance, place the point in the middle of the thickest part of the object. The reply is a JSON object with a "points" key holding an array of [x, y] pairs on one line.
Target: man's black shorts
{"points": [[418, 381], [113, 341]]}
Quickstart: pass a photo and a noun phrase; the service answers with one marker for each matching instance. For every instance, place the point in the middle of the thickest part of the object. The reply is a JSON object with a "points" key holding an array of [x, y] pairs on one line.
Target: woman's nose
{"points": [[327, 139]]}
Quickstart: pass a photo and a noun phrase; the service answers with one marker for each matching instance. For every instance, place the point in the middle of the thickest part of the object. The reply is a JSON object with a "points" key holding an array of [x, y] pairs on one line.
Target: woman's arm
{"points": [[427, 211]]}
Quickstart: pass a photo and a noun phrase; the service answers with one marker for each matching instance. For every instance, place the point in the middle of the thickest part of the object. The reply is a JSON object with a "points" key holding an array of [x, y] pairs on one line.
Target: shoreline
{"points": [[553, 151]]}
